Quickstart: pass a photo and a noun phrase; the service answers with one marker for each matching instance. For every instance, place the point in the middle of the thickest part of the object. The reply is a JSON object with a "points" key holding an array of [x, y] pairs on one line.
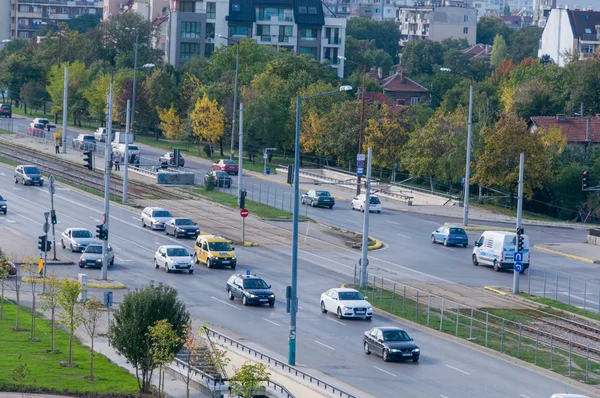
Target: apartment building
{"points": [[569, 32], [27, 16], [496, 7], [437, 20]]}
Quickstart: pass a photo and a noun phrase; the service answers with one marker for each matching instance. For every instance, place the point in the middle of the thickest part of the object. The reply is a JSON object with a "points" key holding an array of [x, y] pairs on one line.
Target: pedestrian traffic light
{"points": [[48, 245], [42, 243], [585, 181], [242, 199], [100, 231], [290, 174], [105, 234], [87, 159], [53, 216]]}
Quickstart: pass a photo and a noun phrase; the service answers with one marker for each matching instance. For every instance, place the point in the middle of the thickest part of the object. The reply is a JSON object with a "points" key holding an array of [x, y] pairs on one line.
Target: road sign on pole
{"points": [[518, 257], [244, 213], [518, 266], [46, 227], [361, 157]]}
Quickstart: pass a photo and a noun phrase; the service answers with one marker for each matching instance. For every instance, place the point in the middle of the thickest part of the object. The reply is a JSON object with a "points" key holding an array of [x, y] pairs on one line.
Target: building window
{"points": [[466, 18], [239, 31], [312, 51], [190, 30], [302, 10], [93, 11], [415, 100], [331, 53], [285, 32], [210, 30], [23, 8], [188, 50], [211, 10], [209, 49], [307, 34], [264, 32], [312, 10], [283, 14], [187, 6], [588, 49], [466, 30]]}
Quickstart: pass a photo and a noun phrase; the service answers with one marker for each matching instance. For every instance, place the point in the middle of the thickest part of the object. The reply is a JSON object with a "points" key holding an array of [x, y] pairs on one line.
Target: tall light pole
{"points": [[293, 299], [107, 168], [135, 59], [469, 130], [362, 115], [235, 90]]}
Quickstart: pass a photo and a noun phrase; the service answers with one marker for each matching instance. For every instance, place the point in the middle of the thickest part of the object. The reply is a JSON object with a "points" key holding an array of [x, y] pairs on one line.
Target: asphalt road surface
{"points": [[446, 369]]}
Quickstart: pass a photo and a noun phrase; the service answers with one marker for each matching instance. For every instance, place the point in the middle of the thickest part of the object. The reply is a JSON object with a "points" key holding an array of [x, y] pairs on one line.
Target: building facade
{"points": [[27, 16]]}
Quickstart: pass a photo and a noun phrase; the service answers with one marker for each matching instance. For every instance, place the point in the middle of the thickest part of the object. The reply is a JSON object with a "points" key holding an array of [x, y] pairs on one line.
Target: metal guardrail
{"points": [[425, 191], [290, 369]]}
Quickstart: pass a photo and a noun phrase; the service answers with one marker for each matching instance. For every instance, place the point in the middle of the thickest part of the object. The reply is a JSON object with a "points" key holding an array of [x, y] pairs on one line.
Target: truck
{"points": [[119, 137]]}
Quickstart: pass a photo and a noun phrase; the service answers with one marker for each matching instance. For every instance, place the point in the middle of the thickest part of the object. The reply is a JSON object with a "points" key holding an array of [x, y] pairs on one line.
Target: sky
{"points": [[595, 4]]}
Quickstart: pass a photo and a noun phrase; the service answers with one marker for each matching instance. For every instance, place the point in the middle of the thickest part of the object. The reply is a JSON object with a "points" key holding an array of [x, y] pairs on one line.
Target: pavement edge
{"points": [[478, 228], [493, 289]]}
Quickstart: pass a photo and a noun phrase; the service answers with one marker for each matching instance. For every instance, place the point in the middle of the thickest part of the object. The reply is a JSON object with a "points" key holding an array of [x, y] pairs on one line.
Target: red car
{"points": [[229, 166], [37, 129]]}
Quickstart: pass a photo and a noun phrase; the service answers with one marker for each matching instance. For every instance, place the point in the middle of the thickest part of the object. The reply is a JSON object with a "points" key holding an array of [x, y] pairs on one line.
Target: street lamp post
{"points": [[469, 132], [362, 115], [235, 90], [135, 59], [293, 299]]}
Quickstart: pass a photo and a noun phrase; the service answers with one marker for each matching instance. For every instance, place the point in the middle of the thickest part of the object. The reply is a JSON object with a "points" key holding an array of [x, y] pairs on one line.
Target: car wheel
{"points": [[143, 223], [368, 318], [415, 359], [367, 351], [166, 231], [16, 180], [208, 263], [41, 184], [195, 259], [230, 294], [323, 309], [81, 265], [70, 244], [244, 300], [167, 270], [385, 356], [466, 245], [155, 264], [191, 271], [112, 262], [432, 239], [445, 242], [302, 201], [63, 244], [339, 313], [233, 267], [330, 207], [497, 268], [475, 262], [23, 181], [362, 209], [312, 203], [378, 211]]}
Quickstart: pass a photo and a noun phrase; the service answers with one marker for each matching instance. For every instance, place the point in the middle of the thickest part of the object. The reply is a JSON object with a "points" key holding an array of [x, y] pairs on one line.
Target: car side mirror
{"points": [[233, 248], [191, 255], [412, 339], [269, 286], [476, 244], [366, 297], [164, 254]]}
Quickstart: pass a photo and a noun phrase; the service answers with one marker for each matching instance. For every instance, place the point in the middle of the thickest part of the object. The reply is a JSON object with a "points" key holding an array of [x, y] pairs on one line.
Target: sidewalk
{"points": [[577, 251]]}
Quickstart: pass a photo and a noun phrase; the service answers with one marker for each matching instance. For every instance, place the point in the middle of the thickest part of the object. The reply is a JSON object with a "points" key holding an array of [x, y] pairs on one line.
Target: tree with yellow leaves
{"points": [[386, 136], [207, 120], [170, 123]]}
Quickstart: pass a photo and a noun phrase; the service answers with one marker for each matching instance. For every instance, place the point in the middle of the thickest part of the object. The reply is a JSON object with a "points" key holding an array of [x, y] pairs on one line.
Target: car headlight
{"points": [[27, 178], [394, 350], [99, 260], [347, 308], [4, 206], [369, 308], [76, 244], [252, 295], [416, 350], [233, 258], [272, 296]]}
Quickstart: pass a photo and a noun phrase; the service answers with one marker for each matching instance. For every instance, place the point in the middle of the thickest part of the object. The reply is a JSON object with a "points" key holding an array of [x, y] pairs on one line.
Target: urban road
{"points": [[446, 369]]}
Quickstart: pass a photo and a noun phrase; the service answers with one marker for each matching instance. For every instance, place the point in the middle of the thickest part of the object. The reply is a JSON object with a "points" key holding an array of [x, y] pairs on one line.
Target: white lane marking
{"points": [[458, 370], [352, 221], [300, 308], [270, 321], [325, 345], [443, 396], [306, 235], [226, 303], [524, 396], [336, 321], [449, 248], [94, 218], [405, 236], [135, 218], [2, 174], [393, 222], [123, 260], [384, 371], [158, 243]]}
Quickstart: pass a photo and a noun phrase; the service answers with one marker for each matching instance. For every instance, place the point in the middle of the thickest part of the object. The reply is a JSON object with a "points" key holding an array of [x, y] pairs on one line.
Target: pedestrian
{"points": [[117, 161], [112, 157], [57, 146]]}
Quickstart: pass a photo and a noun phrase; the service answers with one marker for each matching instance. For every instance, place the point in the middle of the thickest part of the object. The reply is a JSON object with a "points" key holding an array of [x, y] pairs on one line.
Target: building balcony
{"points": [[334, 40], [591, 38], [283, 39], [264, 39]]}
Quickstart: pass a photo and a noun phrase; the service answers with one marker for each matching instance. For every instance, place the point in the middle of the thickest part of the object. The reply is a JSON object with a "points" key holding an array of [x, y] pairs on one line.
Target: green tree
{"points": [[49, 300], [583, 86], [525, 44], [162, 90], [32, 94], [385, 33], [165, 343], [96, 95], [489, 27], [70, 317], [499, 51], [17, 69], [253, 60], [56, 83], [4, 274], [247, 379], [341, 128], [90, 316], [422, 57], [386, 135], [137, 312], [84, 22], [30, 266]]}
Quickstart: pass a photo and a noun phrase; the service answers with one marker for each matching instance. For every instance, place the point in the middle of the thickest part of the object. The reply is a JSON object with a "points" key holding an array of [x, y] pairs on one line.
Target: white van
{"points": [[497, 248]]}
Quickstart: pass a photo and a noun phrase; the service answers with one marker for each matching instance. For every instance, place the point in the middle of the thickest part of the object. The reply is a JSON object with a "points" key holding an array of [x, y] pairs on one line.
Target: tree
{"points": [[546, 60], [129, 327], [253, 61], [91, 314], [30, 266], [247, 379], [192, 348], [162, 90], [499, 51], [4, 274], [165, 342], [525, 43], [49, 300], [84, 22], [341, 128], [385, 34], [32, 94], [489, 27], [422, 57], [96, 95], [207, 120], [17, 285], [170, 123], [68, 292], [56, 83], [386, 136]]}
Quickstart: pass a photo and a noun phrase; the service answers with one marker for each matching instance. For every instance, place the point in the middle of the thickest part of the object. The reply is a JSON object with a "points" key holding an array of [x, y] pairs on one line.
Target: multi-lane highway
{"points": [[325, 343]]}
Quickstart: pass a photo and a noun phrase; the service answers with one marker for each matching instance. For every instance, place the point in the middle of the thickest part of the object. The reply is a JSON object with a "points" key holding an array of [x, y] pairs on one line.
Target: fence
{"points": [[563, 288], [517, 337]]}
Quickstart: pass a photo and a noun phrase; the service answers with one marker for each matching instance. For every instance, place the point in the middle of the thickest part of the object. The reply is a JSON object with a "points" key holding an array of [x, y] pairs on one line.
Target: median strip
{"points": [[571, 256], [92, 283]]}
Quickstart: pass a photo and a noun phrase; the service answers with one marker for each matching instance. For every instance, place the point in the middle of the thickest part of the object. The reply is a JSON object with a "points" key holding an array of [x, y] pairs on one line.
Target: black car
{"points": [[251, 289], [3, 205], [28, 175], [390, 343], [182, 227], [318, 198], [221, 178]]}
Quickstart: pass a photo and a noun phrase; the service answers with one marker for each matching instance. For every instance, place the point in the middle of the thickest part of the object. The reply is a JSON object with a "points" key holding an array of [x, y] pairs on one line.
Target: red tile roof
{"points": [[399, 82], [378, 98], [575, 128], [478, 50]]}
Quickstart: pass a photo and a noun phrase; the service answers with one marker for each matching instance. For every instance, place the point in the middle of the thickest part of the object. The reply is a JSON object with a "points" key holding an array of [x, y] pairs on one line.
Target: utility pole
{"points": [[137, 37], [519, 217], [52, 191], [362, 124], [364, 261], [468, 160], [107, 170], [126, 157], [240, 149], [65, 98], [235, 90], [46, 215]]}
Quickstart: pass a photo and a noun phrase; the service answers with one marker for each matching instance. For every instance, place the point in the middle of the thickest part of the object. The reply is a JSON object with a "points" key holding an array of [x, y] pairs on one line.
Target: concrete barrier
{"points": [[175, 178]]}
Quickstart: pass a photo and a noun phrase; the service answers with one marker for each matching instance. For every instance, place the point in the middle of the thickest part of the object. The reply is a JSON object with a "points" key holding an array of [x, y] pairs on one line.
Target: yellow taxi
{"points": [[214, 251]]}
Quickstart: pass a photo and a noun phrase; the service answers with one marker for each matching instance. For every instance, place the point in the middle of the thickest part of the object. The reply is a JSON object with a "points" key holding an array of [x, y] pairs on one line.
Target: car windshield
{"points": [[219, 246], [82, 234], [457, 231], [94, 249], [350, 296], [222, 174], [374, 200], [45, 121], [31, 170], [177, 252], [255, 284], [88, 137], [133, 148], [161, 213], [1, 198], [322, 193], [228, 162], [395, 335], [5, 106], [184, 221]]}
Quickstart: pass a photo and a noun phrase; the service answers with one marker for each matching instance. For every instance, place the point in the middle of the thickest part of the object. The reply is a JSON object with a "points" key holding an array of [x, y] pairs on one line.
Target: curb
{"points": [[377, 245], [571, 256], [492, 289], [250, 244], [470, 228], [111, 285]]}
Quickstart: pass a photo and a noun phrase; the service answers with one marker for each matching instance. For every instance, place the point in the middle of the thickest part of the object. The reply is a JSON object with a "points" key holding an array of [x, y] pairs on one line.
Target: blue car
{"points": [[450, 235]]}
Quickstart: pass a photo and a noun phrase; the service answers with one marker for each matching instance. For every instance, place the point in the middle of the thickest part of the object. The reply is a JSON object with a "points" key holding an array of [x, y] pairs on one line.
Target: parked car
{"points": [[229, 166], [346, 303], [221, 178], [3, 205], [450, 235], [131, 150], [92, 255], [169, 158], [45, 122], [84, 142], [28, 175], [358, 203], [100, 134], [36, 129], [155, 217], [5, 110], [497, 248], [173, 258], [76, 239], [182, 227], [390, 343], [318, 198], [214, 250], [251, 289]]}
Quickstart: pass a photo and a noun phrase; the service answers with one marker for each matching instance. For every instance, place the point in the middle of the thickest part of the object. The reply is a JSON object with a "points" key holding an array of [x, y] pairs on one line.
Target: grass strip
{"points": [[553, 305], [26, 364]]}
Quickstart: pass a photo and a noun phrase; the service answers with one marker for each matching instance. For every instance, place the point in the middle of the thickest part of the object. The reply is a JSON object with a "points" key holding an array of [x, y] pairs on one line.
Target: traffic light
{"points": [[87, 159], [42, 243], [100, 231], [290, 174], [585, 181], [242, 199], [48, 245], [53, 216], [105, 234], [520, 240]]}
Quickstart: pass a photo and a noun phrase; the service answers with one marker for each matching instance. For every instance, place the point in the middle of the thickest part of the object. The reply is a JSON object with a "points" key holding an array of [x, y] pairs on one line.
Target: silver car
{"points": [[155, 217], [77, 239], [92, 256]]}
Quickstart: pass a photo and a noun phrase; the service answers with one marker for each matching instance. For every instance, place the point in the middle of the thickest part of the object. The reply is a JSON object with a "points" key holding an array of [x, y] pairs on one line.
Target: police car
{"points": [[250, 289]]}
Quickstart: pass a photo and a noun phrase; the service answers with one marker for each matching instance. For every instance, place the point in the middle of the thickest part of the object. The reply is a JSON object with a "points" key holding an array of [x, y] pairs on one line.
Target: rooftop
{"points": [[583, 23], [575, 128], [478, 50], [399, 82]]}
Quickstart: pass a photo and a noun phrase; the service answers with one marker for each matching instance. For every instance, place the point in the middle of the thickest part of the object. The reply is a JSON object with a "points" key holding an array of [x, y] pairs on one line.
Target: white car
{"points": [[100, 134], [155, 217], [76, 239], [568, 396], [173, 258], [346, 303], [358, 203]]}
